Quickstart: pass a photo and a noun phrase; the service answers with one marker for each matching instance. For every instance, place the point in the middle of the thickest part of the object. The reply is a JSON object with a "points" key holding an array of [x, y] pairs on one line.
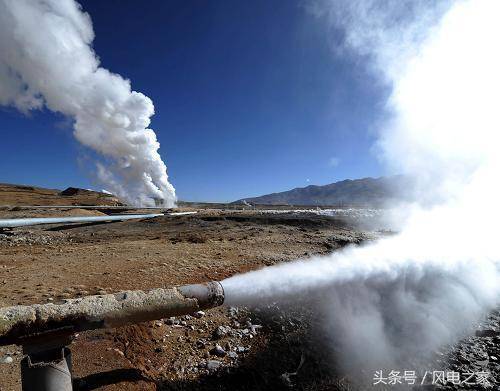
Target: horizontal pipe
{"points": [[24, 325], [11, 223], [180, 213], [118, 207]]}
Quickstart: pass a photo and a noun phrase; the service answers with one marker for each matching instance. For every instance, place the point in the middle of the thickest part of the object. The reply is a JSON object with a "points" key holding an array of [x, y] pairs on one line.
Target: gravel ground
{"points": [[269, 348]]}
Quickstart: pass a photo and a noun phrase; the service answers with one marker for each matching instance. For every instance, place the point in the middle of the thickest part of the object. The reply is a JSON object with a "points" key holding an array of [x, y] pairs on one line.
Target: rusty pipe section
{"points": [[24, 325]]}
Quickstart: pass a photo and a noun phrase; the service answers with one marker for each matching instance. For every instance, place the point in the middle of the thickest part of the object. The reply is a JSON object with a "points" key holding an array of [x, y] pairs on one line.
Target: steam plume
{"points": [[408, 294], [46, 59]]}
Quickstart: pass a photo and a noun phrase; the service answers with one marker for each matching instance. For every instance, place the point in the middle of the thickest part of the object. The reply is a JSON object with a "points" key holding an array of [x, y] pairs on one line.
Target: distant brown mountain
{"points": [[18, 195], [368, 192]]}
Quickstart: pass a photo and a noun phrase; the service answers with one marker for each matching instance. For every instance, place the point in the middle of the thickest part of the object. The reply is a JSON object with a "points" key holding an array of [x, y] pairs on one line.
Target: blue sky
{"points": [[250, 98]]}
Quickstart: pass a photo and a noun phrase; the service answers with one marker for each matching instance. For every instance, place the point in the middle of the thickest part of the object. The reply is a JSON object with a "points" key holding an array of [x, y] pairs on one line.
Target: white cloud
{"points": [[47, 60], [333, 161]]}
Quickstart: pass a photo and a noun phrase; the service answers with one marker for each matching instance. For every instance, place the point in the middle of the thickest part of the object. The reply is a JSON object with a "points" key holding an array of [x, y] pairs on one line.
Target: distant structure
{"points": [[246, 203], [87, 193], [159, 201], [19, 195]]}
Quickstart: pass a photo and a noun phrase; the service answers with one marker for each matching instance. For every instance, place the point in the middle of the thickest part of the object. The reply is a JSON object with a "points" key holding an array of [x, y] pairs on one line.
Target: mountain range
{"points": [[365, 192]]}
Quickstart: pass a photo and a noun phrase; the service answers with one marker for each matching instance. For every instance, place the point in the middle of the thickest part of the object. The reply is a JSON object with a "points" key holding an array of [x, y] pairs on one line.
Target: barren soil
{"points": [[51, 263], [263, 350], [29, 195]]}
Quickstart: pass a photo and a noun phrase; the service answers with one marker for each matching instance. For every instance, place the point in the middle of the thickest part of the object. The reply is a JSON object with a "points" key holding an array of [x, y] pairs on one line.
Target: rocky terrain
{"points": [[51, 263], [268, 348], [475, 354]]}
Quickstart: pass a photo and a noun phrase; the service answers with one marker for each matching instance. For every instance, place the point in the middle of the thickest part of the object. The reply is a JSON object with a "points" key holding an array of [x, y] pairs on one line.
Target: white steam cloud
{"points": [[46, 60], [389, 301]]}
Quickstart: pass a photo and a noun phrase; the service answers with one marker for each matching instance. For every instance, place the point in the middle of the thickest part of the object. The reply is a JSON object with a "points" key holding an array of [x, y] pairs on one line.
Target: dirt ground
{"points": [[30, 195], [221, 349], [50, 263]]}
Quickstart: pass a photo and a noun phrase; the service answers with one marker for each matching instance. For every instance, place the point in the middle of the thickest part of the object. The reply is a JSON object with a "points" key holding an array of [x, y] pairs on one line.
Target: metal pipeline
{"points": [[11, 223], [106, 207], [38, 324], [45, 330], [47, 371]]}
